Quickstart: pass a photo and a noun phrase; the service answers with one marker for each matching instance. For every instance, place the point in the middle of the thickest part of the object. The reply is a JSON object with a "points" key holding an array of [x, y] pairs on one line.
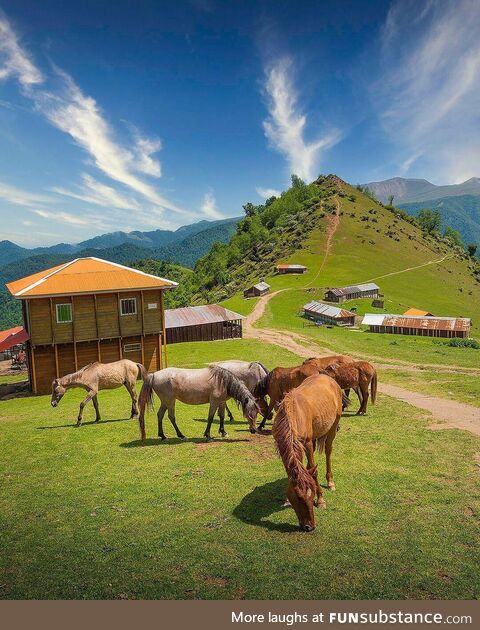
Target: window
{"points": [[132, 347], [64, 313], [128, 306]]}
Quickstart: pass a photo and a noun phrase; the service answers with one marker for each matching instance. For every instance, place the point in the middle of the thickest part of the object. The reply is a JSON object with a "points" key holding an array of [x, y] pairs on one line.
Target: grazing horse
{"points": [[212, 384], [278, 382], [249, 372], [96, 376], [308, 416], [358, 376], [322, 362]]}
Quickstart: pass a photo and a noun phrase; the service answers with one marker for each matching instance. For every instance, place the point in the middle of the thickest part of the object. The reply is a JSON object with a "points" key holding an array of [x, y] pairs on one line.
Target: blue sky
{"points": [[156, 114]]}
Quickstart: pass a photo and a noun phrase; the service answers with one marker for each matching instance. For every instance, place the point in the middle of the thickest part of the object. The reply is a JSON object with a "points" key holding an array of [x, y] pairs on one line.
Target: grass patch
{"points": [[90, 513]]}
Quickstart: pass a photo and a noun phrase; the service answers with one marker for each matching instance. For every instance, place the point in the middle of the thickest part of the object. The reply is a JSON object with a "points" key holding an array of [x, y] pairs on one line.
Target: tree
{"points": [[430, 221], [297, 182], [472, 249], [454, 236], [390, 201], [250, 209]]}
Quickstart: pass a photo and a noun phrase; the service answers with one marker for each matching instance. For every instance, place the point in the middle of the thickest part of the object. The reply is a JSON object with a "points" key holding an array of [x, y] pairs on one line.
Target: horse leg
{"points": [[363, 407], [160, 414], [221, 415], [84, 402], [328, 455], [171, 417], [310, 452], [97, 411], [211, 413], [133, 395], [229, 414], [270, 407]]}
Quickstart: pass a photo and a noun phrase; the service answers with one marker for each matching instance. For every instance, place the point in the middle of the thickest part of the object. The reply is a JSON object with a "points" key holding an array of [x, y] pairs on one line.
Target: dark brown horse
{"points": [[358, 376], [278, 382], [307, 417], [322, 362]]}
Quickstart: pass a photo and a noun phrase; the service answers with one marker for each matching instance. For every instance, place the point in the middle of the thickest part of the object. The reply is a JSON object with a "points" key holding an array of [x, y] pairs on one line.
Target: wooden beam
{"points": [[34, 372], [143, 312], [73, 320], [164, 329], [96, 315], [75, 358], [52, 321], [120, 351], [159, 351], [99, 351], [57, 371], [119, 318]]}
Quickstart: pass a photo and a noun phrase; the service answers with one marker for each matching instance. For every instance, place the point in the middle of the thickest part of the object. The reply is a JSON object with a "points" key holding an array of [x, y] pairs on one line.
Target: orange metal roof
{"points": [[11, 331], [17, 336], [85, 275], [417, 311]]}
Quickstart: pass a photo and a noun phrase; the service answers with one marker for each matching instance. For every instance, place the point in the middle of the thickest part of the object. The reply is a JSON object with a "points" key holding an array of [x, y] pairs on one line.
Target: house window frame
{"points": [[64, 321], [129, 299], [132, 347]]}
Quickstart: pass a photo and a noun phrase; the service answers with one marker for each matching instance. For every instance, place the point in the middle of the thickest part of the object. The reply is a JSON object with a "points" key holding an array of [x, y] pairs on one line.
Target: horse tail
{"points": [[145, 400], [287, 443], [233, 387], [142, 372], [373, 385], [261, 388]]}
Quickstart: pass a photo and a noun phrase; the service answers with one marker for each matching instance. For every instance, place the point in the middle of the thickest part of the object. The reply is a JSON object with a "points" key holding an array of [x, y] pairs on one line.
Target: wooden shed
{"points": [[417, 311], [202, 323], [257, 289], [281, 269], [90, 310], [424, 326], [341, 294], [319, 312]]}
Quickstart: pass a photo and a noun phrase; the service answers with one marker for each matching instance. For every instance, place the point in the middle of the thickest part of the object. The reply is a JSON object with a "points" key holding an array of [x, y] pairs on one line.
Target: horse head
{"points": [[58, 391], [301, 494]]}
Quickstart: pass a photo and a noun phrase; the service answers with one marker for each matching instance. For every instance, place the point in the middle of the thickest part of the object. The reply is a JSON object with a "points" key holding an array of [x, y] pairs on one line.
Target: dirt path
{"points": [[333, 223], [396, 273], [451, 413]]}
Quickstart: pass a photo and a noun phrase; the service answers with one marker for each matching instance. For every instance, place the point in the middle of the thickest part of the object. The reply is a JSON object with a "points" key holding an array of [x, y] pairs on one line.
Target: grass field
{"points": [[91, 513]]}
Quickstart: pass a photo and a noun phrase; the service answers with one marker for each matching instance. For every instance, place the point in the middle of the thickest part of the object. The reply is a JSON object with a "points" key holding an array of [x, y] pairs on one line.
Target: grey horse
{"points": [[249, 372]]}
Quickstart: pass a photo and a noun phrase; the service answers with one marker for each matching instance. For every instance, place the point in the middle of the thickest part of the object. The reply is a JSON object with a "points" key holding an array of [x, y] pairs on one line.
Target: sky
{"points": [[153, 114]]}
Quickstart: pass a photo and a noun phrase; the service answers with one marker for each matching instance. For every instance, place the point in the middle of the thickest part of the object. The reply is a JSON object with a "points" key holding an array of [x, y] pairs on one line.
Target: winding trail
{"points": [[396, 273], [451, 413]]}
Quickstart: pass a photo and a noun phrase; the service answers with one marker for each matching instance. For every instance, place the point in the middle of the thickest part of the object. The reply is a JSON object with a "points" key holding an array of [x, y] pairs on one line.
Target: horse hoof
{"points": [[208, 438], [182, 437], [331, 488], [162, 437], [98, 420], [322, 506], [286, 503]]}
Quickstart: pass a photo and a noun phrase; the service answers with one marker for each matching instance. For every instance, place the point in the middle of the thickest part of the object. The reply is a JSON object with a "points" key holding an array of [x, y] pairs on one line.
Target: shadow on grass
{"points": [[258, 505], [175, 440], [73, 425]]}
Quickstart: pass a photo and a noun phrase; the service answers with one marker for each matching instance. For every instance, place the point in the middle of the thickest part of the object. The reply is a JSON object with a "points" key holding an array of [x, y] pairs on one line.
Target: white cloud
{"points": [[20, 197], [144, 149], [100, 194], [266, 193], [429, 91], [285, 128], [14, 61], [209, 206]]}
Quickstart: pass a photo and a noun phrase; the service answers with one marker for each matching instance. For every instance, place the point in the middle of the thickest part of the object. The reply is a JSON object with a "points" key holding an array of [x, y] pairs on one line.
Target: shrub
{"points": [[458, 342]]}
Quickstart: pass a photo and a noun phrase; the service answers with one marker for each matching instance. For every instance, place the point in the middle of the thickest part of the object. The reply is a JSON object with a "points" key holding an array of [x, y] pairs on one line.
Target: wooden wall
{"points": [[205, 332]]}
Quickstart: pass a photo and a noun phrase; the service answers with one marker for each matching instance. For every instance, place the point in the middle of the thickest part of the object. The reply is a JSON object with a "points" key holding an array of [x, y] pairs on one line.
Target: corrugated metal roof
{"points": [[85, 275], [291, 266], [261, 286], [327, 310], [416, 311], [426, 323], [15, 337], [358, 288], [198, 315]]}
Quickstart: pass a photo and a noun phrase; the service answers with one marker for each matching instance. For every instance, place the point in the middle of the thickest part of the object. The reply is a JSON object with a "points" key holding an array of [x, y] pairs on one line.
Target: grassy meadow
{"points": [[93, 513]]}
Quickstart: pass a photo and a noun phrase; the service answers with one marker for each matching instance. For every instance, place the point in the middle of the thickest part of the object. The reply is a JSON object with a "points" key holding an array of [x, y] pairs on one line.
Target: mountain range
{"points": [[458, 204]]}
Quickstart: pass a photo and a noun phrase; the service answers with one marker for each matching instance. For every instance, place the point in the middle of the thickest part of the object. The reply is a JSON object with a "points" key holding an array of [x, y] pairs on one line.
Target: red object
{"points": [[13, 337]]}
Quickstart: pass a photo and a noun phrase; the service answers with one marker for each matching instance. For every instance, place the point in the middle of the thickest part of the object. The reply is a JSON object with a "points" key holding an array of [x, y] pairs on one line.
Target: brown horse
{"points": [[96, 376], [358, 376], [322, 362], [277, 383], [308, 416]]}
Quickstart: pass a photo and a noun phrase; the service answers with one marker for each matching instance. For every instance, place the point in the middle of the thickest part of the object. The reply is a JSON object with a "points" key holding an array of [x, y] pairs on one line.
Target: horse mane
{"points": [[288, 445], [261, 388], [234, 387], [69, 378]]}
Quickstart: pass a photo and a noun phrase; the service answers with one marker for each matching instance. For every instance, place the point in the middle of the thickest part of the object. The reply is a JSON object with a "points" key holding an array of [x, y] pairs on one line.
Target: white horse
{"points": [[213, 385], [249, 372]]}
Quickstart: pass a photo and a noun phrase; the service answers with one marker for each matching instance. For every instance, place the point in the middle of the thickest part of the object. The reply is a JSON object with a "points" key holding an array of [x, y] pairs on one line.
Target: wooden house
{"points": [[202, 323], [281, 269], [417, 312], [341, 294], [326, 313], [256, 290], [424, 326], [90, 310]]}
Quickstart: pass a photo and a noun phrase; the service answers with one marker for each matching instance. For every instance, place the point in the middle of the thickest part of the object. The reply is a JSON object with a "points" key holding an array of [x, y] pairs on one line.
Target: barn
{"points": [[424, 326], [319, 312], [202, 323], [90, 310], [341, 294], [256, 290], [417, 311], [281, 269]]}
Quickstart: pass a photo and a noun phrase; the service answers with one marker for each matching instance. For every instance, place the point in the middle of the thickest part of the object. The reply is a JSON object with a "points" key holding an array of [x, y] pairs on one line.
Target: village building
{"points": [[202, 323], [417, 312], [11, 341], [90, 310], [291, 269], [319, 312], [256, 290], [368, 290], [425, 326]]}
